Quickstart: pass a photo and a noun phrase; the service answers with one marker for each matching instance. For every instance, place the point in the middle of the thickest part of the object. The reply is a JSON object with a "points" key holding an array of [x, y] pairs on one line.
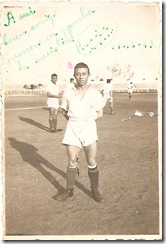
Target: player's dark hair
{"points": [[71, 80], [54, 75], [81, 65]]}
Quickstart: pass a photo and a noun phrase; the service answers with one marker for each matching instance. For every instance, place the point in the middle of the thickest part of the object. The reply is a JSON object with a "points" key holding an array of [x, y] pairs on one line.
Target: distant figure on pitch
{"points": [[108, 94], [130, 89], [53, 102], [128, 76], [72, 83]]}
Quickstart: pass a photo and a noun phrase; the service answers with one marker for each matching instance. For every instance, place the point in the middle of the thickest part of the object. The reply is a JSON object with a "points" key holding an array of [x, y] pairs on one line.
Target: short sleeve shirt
{"points": [[82, 108], [52, 88], [108, 88]]}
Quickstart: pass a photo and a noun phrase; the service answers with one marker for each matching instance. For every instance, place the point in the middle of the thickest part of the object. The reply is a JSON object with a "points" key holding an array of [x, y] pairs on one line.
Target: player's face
{"points": [[54, 79], [81, 75]]}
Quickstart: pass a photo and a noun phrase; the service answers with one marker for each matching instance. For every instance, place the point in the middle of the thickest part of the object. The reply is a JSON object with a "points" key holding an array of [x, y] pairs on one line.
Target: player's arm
{"points": [[64, 105], [111, 93], [64, 112], [99, 102], [49, 94], [99, 114]]}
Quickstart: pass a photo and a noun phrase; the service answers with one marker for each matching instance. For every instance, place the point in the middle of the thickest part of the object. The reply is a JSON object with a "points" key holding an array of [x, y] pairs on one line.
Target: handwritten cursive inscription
{"points": [[24, 15], [9, 18], [84, 33], [9, 40], [95, 37]]}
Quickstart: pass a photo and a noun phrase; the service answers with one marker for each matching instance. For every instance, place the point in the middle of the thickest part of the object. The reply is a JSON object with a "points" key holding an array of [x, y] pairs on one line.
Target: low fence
{"points": [[123, 87], [24, 92], [117, 88]]}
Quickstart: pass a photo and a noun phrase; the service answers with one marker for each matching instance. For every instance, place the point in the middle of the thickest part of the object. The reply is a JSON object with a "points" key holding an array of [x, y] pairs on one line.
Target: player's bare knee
{"points": [[92, 163], [73, 163]]}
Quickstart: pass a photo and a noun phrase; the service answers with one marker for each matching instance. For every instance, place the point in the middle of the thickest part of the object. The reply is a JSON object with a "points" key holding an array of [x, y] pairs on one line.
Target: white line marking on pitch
{"points": [[9, 109]]}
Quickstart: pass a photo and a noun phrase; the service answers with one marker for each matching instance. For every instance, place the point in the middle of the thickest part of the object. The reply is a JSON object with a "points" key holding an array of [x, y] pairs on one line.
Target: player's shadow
{"points": [[29, 154], [32, 122], [105, 112]]}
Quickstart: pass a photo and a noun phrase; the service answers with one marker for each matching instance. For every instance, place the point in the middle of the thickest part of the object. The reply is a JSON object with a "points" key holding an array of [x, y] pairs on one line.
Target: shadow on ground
{"points": [[32, 122], [29, 154]]}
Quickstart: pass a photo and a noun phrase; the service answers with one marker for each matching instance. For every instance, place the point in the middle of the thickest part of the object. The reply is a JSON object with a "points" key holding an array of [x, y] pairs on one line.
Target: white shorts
{"points": [[106, 95], [130, 91], [53, 102], [80, 133]]}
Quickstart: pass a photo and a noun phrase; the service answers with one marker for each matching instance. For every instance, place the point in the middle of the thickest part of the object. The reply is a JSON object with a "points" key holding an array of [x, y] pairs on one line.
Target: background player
{"points": [[108, 94], [130, 89], [53, 102]]}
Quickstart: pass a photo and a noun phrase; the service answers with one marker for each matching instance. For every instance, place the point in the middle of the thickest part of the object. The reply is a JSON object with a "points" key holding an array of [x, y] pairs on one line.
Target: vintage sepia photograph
{"points": [[81, 120]]}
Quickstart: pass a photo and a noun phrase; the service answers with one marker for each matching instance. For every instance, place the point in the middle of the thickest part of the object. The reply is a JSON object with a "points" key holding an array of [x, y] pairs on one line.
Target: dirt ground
{"points": [[35, 169]]}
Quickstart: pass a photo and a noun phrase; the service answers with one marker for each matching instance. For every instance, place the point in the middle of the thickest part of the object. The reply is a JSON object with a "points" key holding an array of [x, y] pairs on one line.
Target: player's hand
{"points": [[102, 93]]}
